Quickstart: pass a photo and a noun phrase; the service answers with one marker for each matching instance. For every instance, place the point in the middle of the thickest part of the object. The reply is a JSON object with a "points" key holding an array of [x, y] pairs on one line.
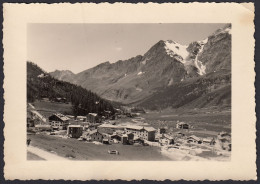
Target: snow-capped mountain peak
{"points": [[181, 54], [176, 50]]}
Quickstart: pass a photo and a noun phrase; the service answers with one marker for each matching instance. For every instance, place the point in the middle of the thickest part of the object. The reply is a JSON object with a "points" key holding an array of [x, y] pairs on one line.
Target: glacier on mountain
{"points": [[176, 50], [180, 53]]}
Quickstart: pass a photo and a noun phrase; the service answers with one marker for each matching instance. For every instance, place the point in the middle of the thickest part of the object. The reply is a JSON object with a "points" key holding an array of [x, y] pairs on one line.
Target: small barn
{"points": [[169, 138], [74, 131], [194, 139], [182, 125]]}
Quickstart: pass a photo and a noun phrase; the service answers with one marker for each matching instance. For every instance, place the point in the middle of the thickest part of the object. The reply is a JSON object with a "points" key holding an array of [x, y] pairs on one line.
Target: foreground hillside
{"points": [[41, 85], [167, 75]]}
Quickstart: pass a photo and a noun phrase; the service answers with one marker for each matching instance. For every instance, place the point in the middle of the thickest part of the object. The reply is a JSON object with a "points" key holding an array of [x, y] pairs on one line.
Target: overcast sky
{"points": [[77, 47]]}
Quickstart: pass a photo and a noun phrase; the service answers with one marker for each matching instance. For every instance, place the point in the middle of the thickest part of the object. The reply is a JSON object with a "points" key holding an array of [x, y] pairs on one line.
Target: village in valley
{"points": [[116, 135], [172, 101]]}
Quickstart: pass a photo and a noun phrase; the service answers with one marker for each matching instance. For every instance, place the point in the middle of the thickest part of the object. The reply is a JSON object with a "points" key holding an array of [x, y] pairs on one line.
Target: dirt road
{"points": [[44, 154]]}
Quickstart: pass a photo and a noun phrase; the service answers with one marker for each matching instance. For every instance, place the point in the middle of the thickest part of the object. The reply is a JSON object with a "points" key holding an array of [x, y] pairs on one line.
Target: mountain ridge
{"points": [[165, 64]]}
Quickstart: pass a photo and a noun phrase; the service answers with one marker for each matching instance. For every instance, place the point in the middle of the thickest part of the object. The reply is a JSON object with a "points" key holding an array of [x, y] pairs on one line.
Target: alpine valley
{"points": [[168, 75]]}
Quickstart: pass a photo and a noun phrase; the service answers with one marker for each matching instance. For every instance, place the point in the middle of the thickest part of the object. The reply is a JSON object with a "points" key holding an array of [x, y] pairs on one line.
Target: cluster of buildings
{"points": [[92, 128], [108, 133]]}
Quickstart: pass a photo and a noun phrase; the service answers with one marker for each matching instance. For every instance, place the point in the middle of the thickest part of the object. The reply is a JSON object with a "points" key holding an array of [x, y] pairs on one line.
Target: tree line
{"points": [[83, 101]]}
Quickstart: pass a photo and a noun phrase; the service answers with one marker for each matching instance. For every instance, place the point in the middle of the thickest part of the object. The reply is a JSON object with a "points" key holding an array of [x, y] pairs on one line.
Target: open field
{"points": [[48, 108], [216, 121], [79, 150], [204, 122]]}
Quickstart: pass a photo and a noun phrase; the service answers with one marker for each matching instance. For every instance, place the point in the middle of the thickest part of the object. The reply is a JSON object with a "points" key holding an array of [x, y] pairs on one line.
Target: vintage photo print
{"points": [[101, 91]]}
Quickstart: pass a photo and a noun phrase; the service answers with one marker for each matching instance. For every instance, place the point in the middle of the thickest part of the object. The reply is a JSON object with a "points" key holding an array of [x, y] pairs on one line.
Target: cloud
{"points": [[119, 48]]}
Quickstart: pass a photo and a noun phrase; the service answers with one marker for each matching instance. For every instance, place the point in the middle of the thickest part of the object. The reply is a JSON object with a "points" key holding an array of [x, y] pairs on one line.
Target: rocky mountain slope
{"points": [[64, 75], [166, 66]]}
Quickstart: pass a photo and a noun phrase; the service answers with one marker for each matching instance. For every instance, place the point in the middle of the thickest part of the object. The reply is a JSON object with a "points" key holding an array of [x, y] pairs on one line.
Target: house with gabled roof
{"points": [[95, 136], [194, 139], [59, 121]]}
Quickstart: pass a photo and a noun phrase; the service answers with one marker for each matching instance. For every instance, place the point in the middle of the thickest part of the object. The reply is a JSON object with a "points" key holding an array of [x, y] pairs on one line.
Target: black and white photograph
{"points": [[122, 91], [141, 92]]}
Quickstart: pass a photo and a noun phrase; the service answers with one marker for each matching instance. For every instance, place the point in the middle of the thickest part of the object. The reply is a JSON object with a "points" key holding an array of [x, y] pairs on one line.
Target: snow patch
{"points": [[125, 74], [176, 50], [144, 61], [180, 53], [199, 64], [139, 89], [203, 42], [140, 73]]}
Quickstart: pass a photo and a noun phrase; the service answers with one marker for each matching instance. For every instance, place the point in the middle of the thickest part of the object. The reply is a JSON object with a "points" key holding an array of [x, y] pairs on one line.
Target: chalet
{"points": [[169, 138], [74, 131], [95, 136], [116, 137], [182, 125], [59, 121], [147, 133], [93, 118], [194, 139]]}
